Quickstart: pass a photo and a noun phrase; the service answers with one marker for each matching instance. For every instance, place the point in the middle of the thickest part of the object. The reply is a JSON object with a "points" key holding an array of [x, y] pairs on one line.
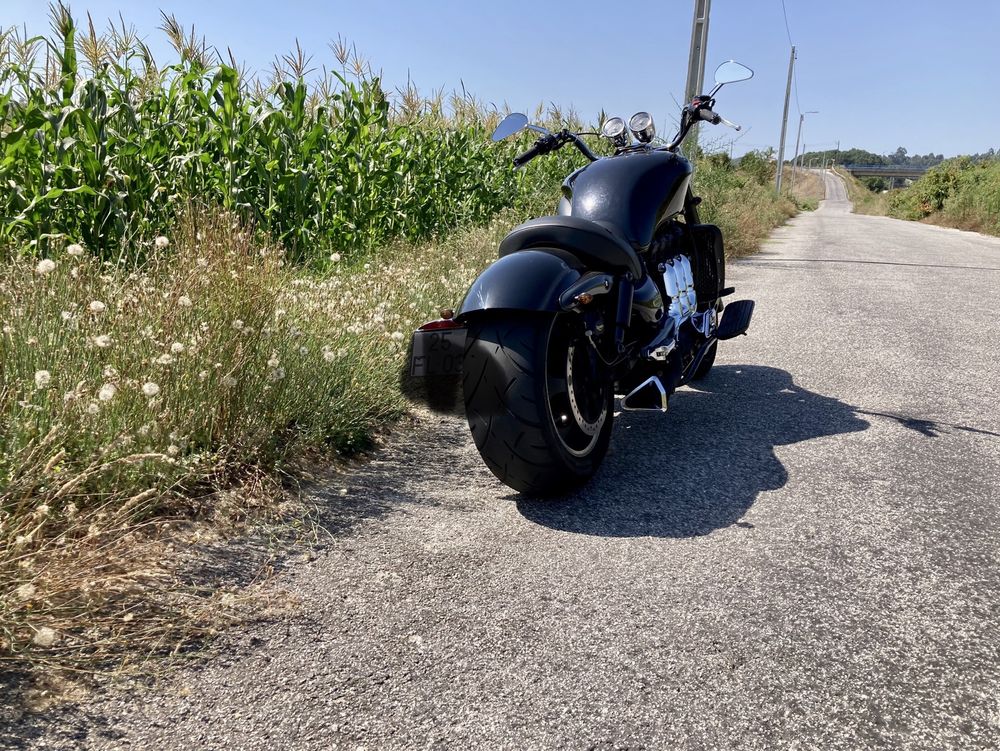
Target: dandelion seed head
{"points": [[173, 450], [93, 408], [397, 336], [335, 257], [276, 374], [164, 359], [150, 389], [25, 592], [176, 348], [303, 350], [42, 379], [44, 637], [203, 375], [329, 356], [103, 341], [184, 301], [228, 381], [238, 324], [273, 362], [161, 243], [107, 392], [75, 250], [45, 266], [66, 315], [96, 306]]}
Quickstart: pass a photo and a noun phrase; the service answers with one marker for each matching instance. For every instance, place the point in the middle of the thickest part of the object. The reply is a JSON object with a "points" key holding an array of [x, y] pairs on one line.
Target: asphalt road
{"points": [[803, 554]]}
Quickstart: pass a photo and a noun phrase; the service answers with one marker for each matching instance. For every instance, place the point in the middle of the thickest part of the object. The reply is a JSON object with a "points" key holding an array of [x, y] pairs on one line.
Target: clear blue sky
{"points": [[882, 73]]}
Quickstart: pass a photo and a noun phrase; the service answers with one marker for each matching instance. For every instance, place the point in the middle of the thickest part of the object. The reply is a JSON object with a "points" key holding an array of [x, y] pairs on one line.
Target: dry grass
{"points": [[216, 364], [806, 187], [864, 200]]}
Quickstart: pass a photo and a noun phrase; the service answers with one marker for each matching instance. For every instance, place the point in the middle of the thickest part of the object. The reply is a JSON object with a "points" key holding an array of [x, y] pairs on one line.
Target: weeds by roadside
{"points": [[865, 201]]}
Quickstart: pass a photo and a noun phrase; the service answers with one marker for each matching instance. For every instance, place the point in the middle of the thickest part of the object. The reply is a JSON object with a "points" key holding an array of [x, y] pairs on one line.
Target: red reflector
{"points": [[441, 323]]}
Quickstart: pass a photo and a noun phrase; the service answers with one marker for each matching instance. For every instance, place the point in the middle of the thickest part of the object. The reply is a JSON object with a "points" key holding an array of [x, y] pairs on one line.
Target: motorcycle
{"points": [[620, 293]]}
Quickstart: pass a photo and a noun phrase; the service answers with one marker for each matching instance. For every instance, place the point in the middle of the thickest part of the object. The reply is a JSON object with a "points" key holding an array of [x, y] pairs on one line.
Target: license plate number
{"points": [[437, 352]]}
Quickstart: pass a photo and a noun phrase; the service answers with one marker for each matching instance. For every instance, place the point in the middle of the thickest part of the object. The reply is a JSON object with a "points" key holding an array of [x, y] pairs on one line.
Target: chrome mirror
{"points": [[515, 122], [731, 72]]}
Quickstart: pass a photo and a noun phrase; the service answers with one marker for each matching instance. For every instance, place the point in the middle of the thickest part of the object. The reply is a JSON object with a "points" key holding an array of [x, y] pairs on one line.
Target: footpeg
{"points": [[648, 395], [735, 319]]}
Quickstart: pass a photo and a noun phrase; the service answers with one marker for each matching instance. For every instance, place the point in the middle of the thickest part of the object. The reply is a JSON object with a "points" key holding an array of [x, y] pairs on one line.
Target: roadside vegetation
{"points": [[209, 279], [962, 193], [865, 200]]}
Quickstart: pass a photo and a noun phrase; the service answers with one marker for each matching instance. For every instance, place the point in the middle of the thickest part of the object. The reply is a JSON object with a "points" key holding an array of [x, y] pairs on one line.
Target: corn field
{"points": [[100, 146]]}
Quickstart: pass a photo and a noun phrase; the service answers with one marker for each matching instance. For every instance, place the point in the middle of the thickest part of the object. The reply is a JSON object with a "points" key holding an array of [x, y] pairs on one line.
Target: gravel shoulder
{"points": [[803, 553]]}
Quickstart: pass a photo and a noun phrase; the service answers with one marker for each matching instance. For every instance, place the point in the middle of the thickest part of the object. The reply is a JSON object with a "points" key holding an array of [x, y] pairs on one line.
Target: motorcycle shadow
{"points": [[702, 466]]}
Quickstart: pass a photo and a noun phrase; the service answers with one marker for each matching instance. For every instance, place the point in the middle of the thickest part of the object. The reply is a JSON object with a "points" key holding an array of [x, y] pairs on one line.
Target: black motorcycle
{"points": [[620, 293]]}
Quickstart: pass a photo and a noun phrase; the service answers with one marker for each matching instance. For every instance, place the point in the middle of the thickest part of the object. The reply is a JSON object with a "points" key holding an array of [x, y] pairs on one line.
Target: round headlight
{"points": [[641, 124], [614, 128]]}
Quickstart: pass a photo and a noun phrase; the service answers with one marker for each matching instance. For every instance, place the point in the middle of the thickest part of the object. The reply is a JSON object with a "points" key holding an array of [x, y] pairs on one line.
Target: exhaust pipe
{"points": [[648, 395]]}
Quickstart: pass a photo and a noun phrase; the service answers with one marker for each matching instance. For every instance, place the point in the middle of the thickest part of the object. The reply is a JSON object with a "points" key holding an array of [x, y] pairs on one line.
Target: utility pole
{"points": [[784, 123], [696, 60], [795, 159]]}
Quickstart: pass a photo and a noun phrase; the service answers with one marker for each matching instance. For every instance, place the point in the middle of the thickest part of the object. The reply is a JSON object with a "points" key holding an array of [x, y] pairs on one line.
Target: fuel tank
{"points": [[633, 192]]}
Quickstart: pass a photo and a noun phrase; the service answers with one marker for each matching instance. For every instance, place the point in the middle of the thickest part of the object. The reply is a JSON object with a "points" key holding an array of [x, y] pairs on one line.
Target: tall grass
{"points": [[740, 199], [865, 201]]}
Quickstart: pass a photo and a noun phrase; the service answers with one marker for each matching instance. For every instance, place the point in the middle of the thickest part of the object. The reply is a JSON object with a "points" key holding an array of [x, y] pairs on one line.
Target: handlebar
{"points": [[551, 142]]}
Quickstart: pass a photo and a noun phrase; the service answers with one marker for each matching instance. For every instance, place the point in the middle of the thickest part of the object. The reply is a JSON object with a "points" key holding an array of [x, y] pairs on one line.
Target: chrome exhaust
{"points": [[648, 395]]}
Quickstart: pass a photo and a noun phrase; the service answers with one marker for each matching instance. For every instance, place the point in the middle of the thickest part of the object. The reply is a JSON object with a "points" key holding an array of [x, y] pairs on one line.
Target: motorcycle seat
{"points": [[594, 243]]}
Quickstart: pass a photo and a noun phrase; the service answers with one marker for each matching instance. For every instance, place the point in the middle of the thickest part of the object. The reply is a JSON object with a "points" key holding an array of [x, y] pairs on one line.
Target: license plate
{"points": [[437, 352]]}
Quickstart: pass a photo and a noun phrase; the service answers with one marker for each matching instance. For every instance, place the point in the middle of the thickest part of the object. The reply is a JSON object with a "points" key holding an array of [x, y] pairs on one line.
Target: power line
{"points": [[787, 30]]}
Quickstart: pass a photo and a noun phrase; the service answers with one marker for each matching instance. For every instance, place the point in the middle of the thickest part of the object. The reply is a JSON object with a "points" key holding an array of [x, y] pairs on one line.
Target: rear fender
{"points": [[525, 280]]}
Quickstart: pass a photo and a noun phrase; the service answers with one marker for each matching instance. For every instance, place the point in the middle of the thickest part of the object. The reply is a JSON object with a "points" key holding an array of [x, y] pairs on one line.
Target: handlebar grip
{"points": [[527, 156], [708, 116]]}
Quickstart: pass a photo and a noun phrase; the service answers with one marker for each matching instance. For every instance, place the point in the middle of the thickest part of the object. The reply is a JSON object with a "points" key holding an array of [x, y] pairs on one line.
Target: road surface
{"points": [[803, 554]]}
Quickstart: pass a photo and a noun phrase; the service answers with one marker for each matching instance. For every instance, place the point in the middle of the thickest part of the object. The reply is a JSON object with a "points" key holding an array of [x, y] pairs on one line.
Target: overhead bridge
{"points": [[885, 170]]}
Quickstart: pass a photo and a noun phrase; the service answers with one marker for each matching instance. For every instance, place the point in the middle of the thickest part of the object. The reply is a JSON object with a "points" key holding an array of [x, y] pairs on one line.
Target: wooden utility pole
{"points": [[696, 59], [784, 123]]}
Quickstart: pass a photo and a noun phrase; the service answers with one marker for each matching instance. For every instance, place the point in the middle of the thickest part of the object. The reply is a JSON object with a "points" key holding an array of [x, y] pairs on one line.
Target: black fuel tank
{"points": [[631, 191]]}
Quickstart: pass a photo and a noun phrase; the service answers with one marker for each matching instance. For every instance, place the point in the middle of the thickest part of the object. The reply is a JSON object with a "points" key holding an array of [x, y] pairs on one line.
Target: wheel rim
{"points": [[576, 392]]}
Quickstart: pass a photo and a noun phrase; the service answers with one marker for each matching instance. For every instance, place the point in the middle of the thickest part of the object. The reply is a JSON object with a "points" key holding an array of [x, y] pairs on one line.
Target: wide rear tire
{"points": [[539, 405]]}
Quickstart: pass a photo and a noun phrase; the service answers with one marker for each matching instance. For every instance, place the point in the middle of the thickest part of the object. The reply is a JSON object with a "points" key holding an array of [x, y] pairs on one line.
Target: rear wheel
{"points": [[538, 400]]}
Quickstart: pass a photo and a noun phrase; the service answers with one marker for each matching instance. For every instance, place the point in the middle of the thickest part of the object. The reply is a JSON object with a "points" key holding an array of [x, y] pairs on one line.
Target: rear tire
{"points": [[538, 402]]}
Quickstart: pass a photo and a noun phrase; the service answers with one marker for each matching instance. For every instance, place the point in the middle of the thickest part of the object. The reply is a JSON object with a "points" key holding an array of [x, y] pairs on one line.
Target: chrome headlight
{"points": [[641, 124], [614, 129]]}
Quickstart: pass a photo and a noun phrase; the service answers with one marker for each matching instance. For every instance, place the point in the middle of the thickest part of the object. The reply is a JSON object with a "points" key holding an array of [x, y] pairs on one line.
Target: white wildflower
{"points": [[161, 243], [273, 362], [335, 257], [93, 408], [75, 250], [368, 267], [228, 381], [303, 350], [397, 336], [329, 356], [176, 348], [173, 450], [109, 372], [184, 301], [42, 379], [203, 375], [45, 266], [165, 359], [103, 341], [150, 389], [44, 637], [25, 592], [7, 328], [96, 306], [66, 315], [107, 392], [238, 324]]}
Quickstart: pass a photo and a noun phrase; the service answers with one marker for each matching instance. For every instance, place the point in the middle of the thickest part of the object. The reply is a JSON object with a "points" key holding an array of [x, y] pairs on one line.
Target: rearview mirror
{"points": [[731, 72], [515, 122]]}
